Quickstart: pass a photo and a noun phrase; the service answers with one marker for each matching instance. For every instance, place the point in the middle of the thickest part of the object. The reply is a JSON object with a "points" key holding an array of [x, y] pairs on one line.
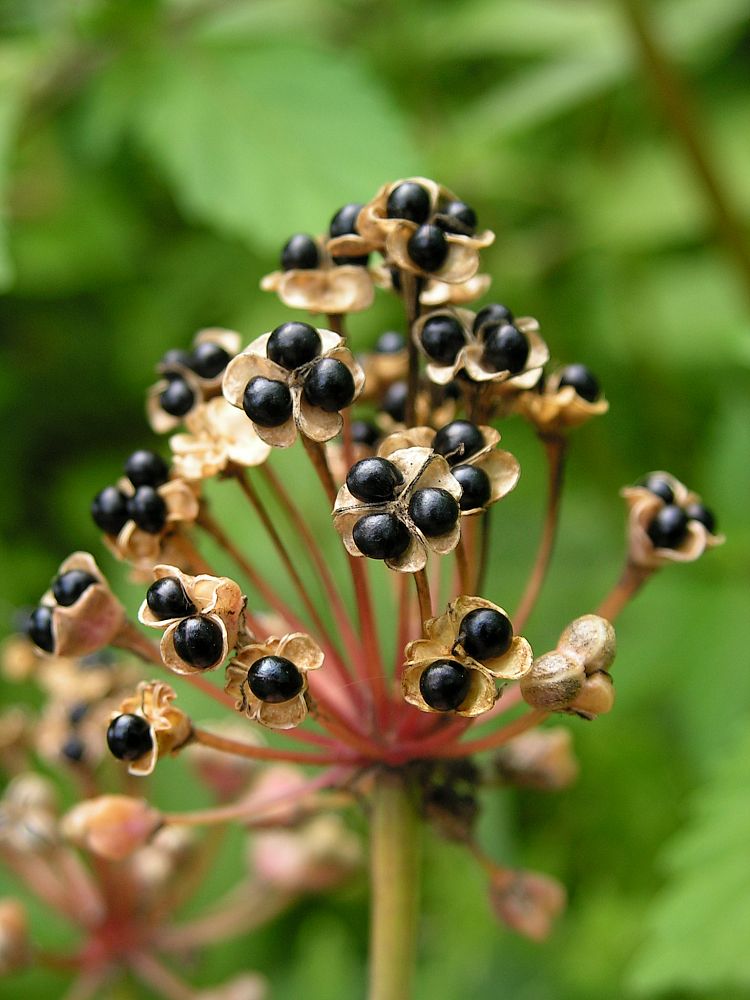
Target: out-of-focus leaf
{"points": [[261, 143], [697, 932]]}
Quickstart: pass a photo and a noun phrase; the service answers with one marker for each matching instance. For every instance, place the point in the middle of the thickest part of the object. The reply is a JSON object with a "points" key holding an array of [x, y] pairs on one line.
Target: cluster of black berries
{"points": [[112, 508], [669, 528], [326, 382], [197, 639], [505, 347], [301, 252], [484, 634], [66, 589], [207, 360], [427, 246]]}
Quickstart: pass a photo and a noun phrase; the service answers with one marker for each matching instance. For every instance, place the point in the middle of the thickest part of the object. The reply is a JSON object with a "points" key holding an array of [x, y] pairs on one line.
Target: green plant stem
{"points": [[394, 867], [683, 120]]}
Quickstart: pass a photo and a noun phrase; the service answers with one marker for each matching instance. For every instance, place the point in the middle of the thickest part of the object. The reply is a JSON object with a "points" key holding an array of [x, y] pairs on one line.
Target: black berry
{"points": [[109, 510], [73, 749], [208, 360], [505, 348], [199, 642], [176, 356], [442, 338], [409, 201], [344, 222], [381, 536], [697, 512], [129, 737], [267, 402], [148, 510], [394, 401], [493, 313], [69, 586], [390, 342], [458, 440], [329, 385], [668, 530], [77, 713], [475, 484], [428, 248], [39, 628], [166, 598], [582, 380], [485, 633], [178, 398], [659, 486], [445, 684], [293, 344], [299, 252], [274, 679], [365, 433], [146, 468], [374, 480], [457, 217], [434, 511]]}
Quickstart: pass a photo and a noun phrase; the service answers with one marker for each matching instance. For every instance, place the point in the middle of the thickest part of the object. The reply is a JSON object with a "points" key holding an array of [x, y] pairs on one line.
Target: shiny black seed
{"points": [[129, 737], [442, 338], [505, 347], [208, 360], [329, 385], [148, 510], [166, 598], [267, 402], [109, 510], [299, 252], [475, 484], [697, 512], [583, 381], [344, 222], [69, 586], [178, 398], [39, 628], [434, 511], [146, 468], [668, 530], [485, 633], [409, 201], [365, 433], [198, 642], [659, 486], [274, 679], [493, 313], [374, 480], [394, 401], [381, 536], [176, 356], [390, 342], [77, 713], [428, 248], [73, 749], [458, 440], [293, 344], [457, 217], [445, 684]]}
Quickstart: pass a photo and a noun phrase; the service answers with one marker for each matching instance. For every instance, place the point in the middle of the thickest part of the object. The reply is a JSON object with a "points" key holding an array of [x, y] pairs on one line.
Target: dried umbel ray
{"points": [[405, 445]]}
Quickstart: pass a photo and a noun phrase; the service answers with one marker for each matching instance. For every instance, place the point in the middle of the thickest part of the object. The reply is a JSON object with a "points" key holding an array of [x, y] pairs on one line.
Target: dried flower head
{"points": [[295, 378], [268, 680], [465, 652], [667, 522], [79, 613], [313, 280], [567, 399], [397, 508], [199, 616], [147, 726], [218, 435], [189, 378]]}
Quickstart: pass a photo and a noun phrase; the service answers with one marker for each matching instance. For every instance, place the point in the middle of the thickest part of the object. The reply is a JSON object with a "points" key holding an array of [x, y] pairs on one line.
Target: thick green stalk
{"points": [[394, 867]]}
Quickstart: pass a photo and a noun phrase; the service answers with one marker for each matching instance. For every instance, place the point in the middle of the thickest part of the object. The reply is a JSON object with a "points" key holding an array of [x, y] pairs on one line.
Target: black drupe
{"points": [[267, 402], [445, 684], [39, 628], [434, 511], [374, 480], [109, 510], [274, 679], [485, 633], [166, 598], [669, 528], [68, 587], [129, 737], [300, 252], [146, 468], [293, 344], [148, 509], [458, 440], [381, 536], [199, 642], [329, 385], [442, 337]]}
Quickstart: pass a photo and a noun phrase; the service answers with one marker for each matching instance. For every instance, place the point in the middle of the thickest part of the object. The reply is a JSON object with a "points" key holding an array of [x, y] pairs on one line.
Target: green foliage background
{"points": [[154, 156]]}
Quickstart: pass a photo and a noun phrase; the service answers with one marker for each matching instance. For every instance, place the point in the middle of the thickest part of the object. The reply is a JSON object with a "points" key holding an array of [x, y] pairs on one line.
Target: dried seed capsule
{"points": [[592, 639], [553, 682]]}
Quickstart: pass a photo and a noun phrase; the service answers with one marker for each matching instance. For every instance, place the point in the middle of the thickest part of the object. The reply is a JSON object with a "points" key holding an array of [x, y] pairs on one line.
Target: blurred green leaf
{"points": [[698, 929]]}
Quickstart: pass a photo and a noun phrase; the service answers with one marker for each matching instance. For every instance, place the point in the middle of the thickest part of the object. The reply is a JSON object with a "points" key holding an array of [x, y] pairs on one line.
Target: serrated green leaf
{"points": [[261, 143], [699, 926]]}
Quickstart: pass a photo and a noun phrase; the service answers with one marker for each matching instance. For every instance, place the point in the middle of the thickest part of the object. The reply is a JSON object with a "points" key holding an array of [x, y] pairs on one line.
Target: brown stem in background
{"points": [[239, 749], [632, 579], [682, 117], [555, 448]]}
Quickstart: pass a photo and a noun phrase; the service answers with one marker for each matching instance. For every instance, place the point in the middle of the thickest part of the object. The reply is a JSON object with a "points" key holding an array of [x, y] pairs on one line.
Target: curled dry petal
{"points": [[555, 410], [330, 289], [217, 434]]}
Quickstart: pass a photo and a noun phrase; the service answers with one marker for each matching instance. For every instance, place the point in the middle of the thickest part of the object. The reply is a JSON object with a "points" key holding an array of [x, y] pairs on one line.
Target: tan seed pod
{"points": [[553, 682], [597, 696], [591, 639]]}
